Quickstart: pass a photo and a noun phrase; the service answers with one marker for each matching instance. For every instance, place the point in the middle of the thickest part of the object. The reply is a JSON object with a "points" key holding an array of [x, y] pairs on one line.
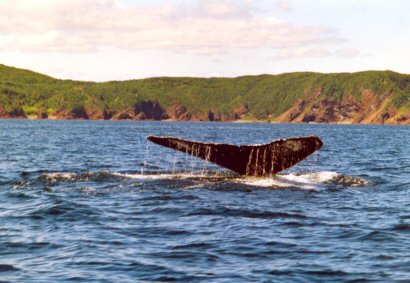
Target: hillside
{"points": [[363, 97]]}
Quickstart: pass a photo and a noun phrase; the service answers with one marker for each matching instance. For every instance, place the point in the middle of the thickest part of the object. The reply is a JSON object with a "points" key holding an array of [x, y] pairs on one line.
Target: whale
{"points": [[248, 160]]}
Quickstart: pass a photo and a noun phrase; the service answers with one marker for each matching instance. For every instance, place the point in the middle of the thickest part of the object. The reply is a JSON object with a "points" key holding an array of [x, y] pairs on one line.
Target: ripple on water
{"points": [[402, 227], [231, 212], [91, 201], [8, 267], [301, 180]]}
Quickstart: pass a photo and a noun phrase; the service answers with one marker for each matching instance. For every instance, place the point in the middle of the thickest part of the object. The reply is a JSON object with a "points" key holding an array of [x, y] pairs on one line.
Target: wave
{"points": [[79, 177], [8, 267], [307, 181], [244, 213], [114, 176]]}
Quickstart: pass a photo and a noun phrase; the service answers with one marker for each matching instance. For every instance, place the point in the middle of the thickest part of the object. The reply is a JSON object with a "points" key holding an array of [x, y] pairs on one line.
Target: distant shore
{"points": [[369, 97], [239, 121]]}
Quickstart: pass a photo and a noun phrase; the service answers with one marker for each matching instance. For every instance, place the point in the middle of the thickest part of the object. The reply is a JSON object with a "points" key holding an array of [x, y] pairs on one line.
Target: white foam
{"points": [[158, 176], [59, 176], [308, 181], [315, 177], [276, 182]]}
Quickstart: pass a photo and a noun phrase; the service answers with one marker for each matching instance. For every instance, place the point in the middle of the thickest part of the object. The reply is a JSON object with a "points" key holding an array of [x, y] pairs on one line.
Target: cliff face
{"points": [[370, 110], [147, 110], [12, 114], [364, 97]]}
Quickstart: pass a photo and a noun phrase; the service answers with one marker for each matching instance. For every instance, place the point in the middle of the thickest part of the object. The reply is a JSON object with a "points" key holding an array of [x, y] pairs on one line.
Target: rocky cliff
{"points": [[370, 109], [365, 97]]}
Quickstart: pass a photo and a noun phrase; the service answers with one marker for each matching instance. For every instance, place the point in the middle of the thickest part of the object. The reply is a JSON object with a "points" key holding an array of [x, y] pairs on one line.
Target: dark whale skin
{"points": [[249, 160]]}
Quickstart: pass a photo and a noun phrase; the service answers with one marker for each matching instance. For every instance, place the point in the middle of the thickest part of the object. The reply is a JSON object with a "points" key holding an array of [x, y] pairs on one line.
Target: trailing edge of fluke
{"points": [[249, 160]]}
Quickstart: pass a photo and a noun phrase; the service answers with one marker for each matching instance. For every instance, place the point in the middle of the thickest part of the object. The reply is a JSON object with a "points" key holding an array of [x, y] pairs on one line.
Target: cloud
{"points": [[314, 52], [200, 27], [348, 52], [284, 5], [214, 9], [302, 52]]}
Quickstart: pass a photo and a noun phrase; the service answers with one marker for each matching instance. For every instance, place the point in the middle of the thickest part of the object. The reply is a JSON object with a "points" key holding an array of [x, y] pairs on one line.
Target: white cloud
{"points": [[314, 52], [302, 52], [202, 27], [284, 5], [348, 52]]}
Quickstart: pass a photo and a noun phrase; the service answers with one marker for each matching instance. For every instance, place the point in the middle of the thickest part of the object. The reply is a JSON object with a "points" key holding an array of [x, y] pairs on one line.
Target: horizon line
{"points": [[203, 77]]}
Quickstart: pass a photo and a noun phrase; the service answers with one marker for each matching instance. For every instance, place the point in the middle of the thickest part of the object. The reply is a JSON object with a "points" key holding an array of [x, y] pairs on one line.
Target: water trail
{"points": [[186, 161], [195, 151], [193, 160], [311, 161], [207, 158], [174, 161], [144, 165], [249, 165], [257, 164], [264, 161]]}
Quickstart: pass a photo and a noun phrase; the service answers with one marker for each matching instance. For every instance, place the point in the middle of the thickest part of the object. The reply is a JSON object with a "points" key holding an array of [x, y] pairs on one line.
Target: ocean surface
{"points": [[93, 201]]}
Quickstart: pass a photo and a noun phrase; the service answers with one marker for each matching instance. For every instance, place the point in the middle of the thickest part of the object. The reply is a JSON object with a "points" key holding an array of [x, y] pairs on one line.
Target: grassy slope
{"points": [[267, 96]]}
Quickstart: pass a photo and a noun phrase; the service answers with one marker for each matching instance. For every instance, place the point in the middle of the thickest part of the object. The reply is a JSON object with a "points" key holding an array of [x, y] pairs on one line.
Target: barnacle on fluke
{"points": [[249, 160]]}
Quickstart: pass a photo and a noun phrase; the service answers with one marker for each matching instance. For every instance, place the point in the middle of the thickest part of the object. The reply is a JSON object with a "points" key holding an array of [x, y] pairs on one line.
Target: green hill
{"points": [[363, 97]]}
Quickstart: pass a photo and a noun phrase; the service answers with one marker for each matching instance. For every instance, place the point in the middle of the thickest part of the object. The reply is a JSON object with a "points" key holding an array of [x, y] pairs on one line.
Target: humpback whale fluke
{"points": [[249, 160]]}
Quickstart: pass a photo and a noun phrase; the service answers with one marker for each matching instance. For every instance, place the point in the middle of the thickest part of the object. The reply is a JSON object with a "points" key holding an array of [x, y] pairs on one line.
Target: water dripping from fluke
{"points": [[249, 160]]}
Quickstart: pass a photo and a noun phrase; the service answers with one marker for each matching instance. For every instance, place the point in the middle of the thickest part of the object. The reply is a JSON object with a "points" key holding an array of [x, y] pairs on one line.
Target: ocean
{"points": [[94, 201]]}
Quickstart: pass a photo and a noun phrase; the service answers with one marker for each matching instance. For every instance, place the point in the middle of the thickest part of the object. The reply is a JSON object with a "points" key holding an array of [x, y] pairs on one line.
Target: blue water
{"points": [[94, 201]]}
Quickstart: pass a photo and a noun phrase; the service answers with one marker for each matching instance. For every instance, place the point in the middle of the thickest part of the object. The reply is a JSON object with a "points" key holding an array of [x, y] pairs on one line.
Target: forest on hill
{"points": [[362, 97]]}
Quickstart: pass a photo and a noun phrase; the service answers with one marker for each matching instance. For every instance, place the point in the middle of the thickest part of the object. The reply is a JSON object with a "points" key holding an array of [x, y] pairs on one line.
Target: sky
{"points": [[101, 40]]}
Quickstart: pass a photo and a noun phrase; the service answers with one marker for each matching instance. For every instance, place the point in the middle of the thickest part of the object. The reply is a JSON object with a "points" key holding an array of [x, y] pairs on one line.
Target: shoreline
{"points": [[240, 121]]}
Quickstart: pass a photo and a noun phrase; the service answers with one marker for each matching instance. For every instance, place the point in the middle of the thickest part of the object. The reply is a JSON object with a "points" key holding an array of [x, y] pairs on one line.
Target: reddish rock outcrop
{"points": [[14, 113], [203, 117], [98, 114], [178, 112], [41, 114], [241, 111], [74, 114], [124, 115], [147, 110], [369, 109]]}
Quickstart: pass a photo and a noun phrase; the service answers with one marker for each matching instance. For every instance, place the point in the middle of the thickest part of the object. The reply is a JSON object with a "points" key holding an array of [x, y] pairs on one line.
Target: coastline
{"points": [[239, 121], [305, 97]]}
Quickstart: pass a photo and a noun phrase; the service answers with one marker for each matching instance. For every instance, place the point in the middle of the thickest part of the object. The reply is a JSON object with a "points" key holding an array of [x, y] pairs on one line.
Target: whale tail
{"points": [[249, 160]]}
